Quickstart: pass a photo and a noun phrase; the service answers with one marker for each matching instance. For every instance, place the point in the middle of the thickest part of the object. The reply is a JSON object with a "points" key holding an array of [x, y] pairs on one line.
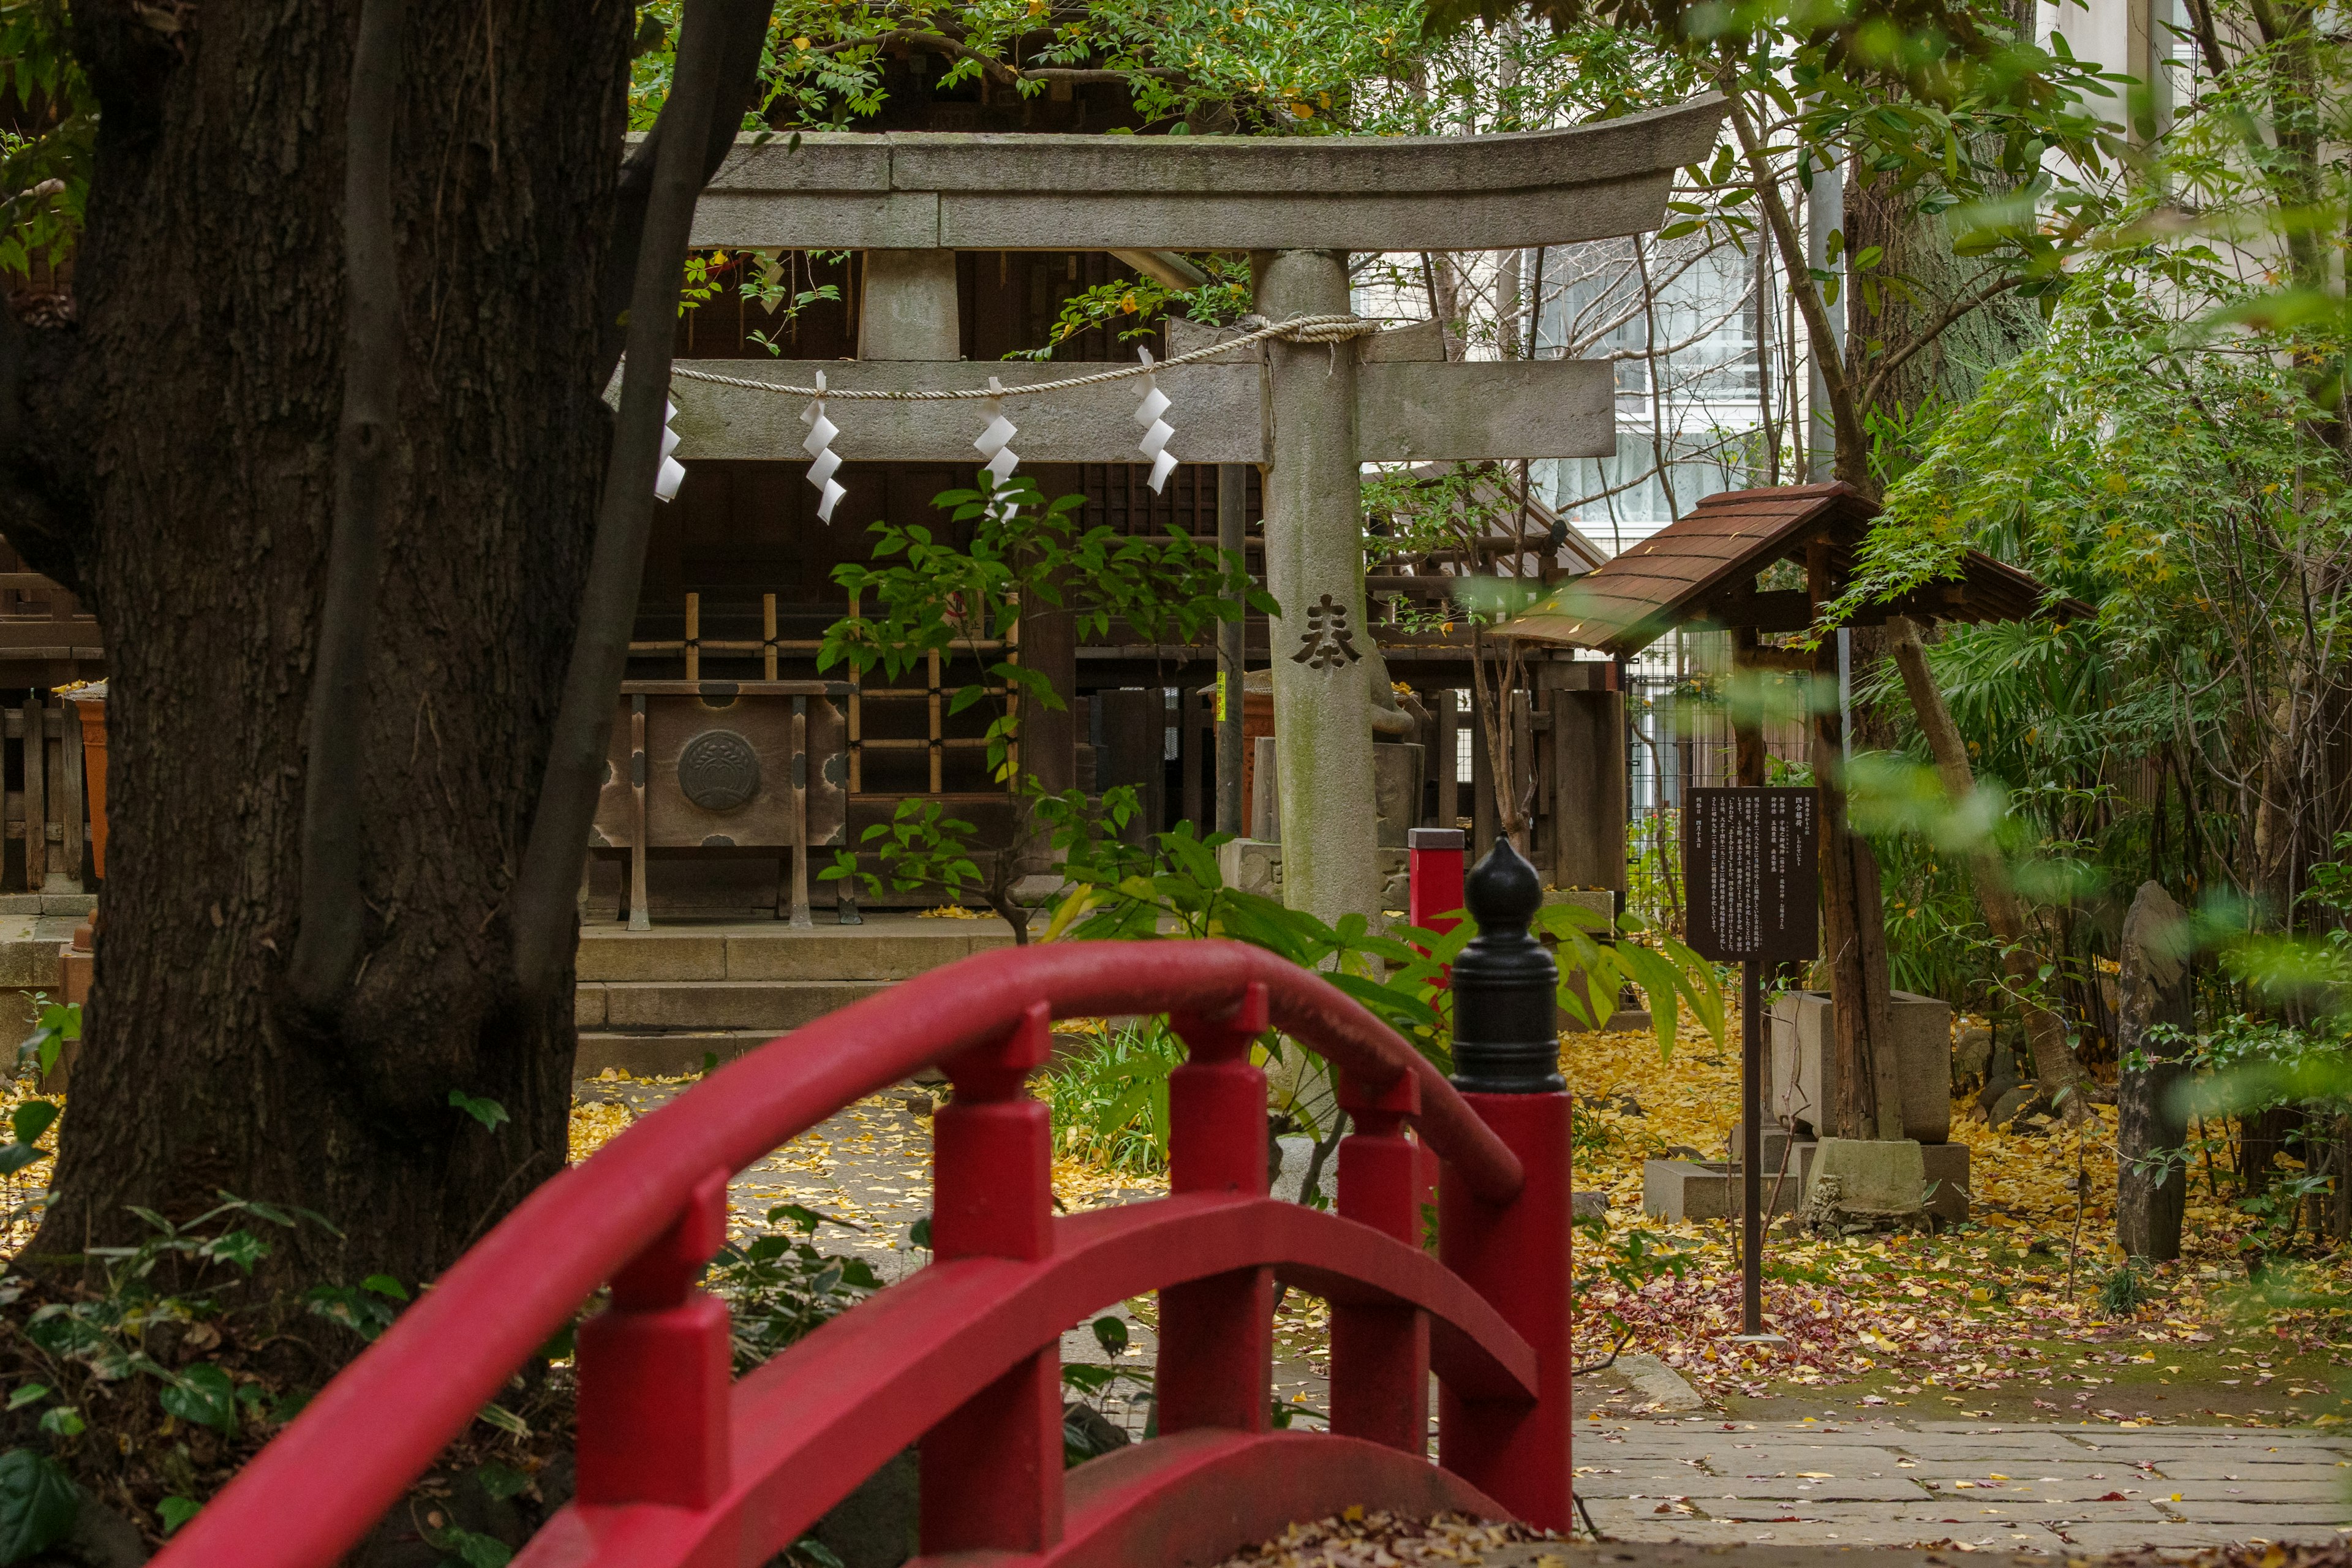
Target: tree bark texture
{"points": [[2152, 990], [1952, 362], [175, 465], [2054, 1067]]}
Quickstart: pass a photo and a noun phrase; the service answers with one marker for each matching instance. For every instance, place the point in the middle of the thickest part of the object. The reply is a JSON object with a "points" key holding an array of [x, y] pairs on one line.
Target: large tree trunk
{"points": [[185, 485]]}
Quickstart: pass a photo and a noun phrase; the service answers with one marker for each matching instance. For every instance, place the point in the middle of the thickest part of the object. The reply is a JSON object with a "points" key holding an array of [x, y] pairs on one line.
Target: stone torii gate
{"points": [[1311, 414]]}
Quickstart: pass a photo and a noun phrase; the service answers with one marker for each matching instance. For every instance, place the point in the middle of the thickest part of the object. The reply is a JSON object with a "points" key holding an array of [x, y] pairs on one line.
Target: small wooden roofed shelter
{"points": [[1703, 570]]}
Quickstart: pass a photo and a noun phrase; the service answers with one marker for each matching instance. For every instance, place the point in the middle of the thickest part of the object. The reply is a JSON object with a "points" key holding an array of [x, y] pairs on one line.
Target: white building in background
{"points": [[1691, 403]]}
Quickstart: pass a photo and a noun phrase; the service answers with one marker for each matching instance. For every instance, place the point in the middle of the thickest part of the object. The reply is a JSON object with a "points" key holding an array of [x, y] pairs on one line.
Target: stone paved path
{"points": [[2061, 1489], [1699, 1479]]}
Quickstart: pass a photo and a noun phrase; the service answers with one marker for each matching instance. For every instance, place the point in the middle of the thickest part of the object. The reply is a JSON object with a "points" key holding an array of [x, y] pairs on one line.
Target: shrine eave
{"points": [[932, 190], [1701, 571]]}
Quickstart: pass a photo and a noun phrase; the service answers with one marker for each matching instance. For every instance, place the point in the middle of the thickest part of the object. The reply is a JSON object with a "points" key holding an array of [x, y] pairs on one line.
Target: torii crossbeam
{"points": [[1311, 414]]}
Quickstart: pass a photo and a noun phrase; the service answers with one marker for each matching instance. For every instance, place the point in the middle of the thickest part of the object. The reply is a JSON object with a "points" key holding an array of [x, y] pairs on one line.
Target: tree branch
{"points": [[2208, 42], [327, 944], [2055, 1068], [1930, 333], [713, 42], [739, 82], [1844, 419]]}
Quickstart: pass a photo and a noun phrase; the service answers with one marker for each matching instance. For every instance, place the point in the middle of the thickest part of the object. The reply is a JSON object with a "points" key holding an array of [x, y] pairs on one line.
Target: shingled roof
{"points": [[1702, 568]]}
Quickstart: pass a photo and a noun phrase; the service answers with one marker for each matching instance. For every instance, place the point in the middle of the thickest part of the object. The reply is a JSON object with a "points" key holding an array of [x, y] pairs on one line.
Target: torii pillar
{"points": [[1315, 570], [1311, 413]]}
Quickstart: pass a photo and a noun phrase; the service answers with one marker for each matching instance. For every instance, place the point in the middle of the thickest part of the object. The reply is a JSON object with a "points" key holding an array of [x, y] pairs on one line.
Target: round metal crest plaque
{"points": [[718, 770]]}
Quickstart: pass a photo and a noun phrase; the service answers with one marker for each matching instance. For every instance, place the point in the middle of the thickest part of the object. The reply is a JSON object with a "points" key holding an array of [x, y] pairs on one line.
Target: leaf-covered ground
{"points": [[2001, 1318]]}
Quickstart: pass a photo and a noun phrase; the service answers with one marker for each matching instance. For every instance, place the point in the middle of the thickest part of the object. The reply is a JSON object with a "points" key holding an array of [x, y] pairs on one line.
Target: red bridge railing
{"points": [[680, 1466]]}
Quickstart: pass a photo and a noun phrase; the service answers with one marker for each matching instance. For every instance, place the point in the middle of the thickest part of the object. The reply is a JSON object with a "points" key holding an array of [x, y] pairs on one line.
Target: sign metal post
{"points": [[1751, 885]]}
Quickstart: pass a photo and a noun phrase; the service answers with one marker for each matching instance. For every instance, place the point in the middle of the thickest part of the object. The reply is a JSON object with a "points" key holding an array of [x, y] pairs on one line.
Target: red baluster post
{"points": [[1433, 859], [993, 1471], [654, 1372], [1507, 1064], [1216, 1335], [1433, 876], [1380, 1354]]}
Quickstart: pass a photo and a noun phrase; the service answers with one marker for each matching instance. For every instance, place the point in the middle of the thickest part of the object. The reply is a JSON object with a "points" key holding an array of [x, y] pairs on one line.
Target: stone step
{"points": [[883, 948], [638, 1006], [662, 1054]]}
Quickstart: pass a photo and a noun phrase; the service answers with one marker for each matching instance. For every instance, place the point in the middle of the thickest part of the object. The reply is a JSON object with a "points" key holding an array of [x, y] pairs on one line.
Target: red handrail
{"points": [[322, 1483]]}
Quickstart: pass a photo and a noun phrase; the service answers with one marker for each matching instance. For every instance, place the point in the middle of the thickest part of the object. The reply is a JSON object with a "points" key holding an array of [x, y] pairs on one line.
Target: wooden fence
{"points": [[45, 789]]}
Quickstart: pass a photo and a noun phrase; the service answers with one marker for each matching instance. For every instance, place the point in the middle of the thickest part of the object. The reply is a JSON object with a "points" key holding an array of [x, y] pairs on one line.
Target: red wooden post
{"points": [[654, 1372], [1433, 876], [1379, 1355], [993, 1471], [1216, 1335], [1507, 1063]]}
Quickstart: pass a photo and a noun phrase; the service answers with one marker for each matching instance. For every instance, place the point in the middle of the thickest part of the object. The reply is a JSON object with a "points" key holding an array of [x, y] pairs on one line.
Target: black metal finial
{"points": [[1506, 985]]}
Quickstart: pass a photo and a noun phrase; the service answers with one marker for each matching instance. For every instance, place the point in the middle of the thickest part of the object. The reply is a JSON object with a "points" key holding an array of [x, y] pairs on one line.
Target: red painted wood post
{"points": [[1216, 1335], [1433, 876], [1432, 892], [993, 1471], [654, 1372], [1507, 1064], [1379, 1355]]}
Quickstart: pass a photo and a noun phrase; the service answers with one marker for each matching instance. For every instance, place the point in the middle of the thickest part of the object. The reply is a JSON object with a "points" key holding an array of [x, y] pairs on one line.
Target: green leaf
{"points": [[489, 1112], [504, 1420], [1110, 1334], [38, 1504], [384, 1285], [501, 1483], [203, 1395], [470, 1547], [64, 1421], [31, 1394], [15, 1157], [175, 1511], [32, 1119]]}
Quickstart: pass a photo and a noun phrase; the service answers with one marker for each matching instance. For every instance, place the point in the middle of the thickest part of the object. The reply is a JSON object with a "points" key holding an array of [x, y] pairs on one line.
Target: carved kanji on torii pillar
{"points": [[1310, 413]]}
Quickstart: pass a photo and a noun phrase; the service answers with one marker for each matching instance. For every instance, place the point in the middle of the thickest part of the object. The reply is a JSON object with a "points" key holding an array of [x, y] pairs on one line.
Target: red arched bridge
{"points": [[680, 1466]]}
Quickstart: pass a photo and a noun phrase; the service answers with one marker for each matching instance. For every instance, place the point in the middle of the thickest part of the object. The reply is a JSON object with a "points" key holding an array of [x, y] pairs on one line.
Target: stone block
{"points": [[588, 1006], [20, 903], [1705, 1189], [1946, 1169], [1804, 1062], [1881, 1176], [1251, 865], [773, 1006], [1396, 791], [651, 956], [68, 903], [34, 965], [1790, 1159], [871, 951], [1682, 1189], [661, 1055], [1588, 1205]]}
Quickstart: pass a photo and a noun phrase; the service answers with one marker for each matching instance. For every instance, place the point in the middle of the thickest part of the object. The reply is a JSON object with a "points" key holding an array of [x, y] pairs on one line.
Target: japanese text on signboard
{"points": [[1750, 875]]}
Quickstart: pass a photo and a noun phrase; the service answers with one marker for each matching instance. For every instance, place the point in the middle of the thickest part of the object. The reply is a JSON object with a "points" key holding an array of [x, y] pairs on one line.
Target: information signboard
{"points": [[1751, 876]]}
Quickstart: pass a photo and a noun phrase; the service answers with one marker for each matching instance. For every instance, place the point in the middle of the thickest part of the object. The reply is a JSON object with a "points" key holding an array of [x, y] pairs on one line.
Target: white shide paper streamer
{"points": [[823, 460], [1155, 430]]}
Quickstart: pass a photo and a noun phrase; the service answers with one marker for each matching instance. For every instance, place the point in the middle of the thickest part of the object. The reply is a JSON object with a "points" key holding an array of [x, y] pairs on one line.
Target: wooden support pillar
{"points": [[1049, 736], [1853, 923], [1482, 779], [36, 808], [1447, 763], [1746, 716], [1587, 778]]}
